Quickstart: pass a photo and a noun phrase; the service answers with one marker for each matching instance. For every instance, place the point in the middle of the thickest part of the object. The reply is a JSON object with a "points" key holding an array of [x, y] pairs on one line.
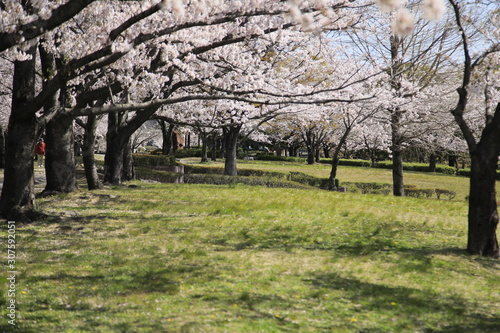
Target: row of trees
{"points": [[279, 71]]}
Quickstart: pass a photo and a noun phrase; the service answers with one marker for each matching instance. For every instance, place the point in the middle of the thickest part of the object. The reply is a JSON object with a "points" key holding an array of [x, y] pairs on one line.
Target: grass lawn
{"points": [[460, 185], [203, 258]]}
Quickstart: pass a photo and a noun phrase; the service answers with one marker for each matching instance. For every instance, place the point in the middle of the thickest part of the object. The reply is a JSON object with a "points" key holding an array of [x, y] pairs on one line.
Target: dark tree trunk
{"points": [[113, 159], [204, 150], [214, 147], [60, 166], [397, 156], [432, 162], [18, 199], [88, 154], [2, 148], [483, 214], [231, 145], [310, 140], [453, 160], [128, 172], [167, 137], [332, 180], [326, 151]]}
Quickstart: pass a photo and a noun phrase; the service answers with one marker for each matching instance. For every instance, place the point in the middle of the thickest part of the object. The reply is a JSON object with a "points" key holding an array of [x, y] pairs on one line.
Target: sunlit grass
{"points": [[457, 184], [193, 258]]}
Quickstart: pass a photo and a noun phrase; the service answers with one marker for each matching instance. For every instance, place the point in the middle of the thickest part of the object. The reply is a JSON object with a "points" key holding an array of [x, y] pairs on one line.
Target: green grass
{"points": [[457, 184], [200, 258]]}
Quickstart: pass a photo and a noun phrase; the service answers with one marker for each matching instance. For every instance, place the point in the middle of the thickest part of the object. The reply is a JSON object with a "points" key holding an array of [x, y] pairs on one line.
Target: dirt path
{"points": [[40, 179]]}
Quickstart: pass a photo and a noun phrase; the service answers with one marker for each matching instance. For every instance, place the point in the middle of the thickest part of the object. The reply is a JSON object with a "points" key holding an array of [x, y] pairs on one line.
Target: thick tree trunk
{"points": [[204, 150], [167, 137], [310, 154], [231, 145], [483, 214], [60, 169], [18, 199], [88, 154], [2, 148], [113, 159], [432, 162], [128, 172]]}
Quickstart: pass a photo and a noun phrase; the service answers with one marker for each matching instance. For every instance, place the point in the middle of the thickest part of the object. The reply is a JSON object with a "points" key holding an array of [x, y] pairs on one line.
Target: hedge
{"points": [[270, 157], [216, 179], [190, 169], [303, 178], [146, 160]]}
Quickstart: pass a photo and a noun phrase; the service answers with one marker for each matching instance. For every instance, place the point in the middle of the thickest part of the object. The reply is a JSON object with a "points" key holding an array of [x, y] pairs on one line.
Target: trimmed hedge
{"points": [[419, 192], [368, 188], [157, 175], [421, 167], [348, 162], [146, 160], [303, 178], [190, 169], [216, 179], [247, 180], [270, 157]]}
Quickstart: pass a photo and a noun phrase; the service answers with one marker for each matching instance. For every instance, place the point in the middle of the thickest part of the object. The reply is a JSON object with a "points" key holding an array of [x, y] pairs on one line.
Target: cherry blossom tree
{"points": [[481, 32]]}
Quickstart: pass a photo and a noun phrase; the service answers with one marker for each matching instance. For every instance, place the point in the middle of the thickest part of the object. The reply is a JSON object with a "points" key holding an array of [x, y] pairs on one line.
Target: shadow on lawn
{"points": [[428, 310]]}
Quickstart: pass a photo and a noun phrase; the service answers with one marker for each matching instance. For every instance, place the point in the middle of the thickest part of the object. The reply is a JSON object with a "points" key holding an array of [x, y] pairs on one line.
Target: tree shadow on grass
{"points": [[418, 306]]}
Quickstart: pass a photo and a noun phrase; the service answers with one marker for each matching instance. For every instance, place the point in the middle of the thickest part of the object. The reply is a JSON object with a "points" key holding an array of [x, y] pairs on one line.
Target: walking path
{"points": [[40, 179]]}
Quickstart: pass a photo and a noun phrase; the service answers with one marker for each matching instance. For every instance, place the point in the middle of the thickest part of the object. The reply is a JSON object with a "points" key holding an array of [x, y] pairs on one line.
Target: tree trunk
{"points": [[17, 199], [167, 137], [60, 166], [397, 157], [128, 172], [310, 148], [2, 148], [332, 182], [88, 154], [113, 159], [231, 145], [483, 214], [432, 162], [214, 147], [204, 150]]}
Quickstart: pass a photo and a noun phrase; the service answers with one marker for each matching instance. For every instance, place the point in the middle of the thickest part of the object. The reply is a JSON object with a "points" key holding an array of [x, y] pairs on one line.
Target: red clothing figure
{"points": [[40, 148], [40, 152]]}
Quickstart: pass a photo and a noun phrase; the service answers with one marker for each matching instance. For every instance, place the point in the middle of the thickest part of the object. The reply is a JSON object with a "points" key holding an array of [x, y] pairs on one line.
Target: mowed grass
{"points": [[201, 258], [457, 184]]}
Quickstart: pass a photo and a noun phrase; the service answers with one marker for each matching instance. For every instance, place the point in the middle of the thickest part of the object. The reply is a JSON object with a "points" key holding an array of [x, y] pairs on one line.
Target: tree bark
{"points": [[310, 147], [2, 148], [128, 172], [60, 168], [432, 162], [231, 147], [214, 146], [17, 199], [483, 212], [88, 154], [204, 150], [167, 137], [332, 183], [397, 157]]}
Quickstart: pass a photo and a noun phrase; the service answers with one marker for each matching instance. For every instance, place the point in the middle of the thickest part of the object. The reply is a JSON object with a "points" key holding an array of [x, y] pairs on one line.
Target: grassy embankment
{"points": [[203, 258]]}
